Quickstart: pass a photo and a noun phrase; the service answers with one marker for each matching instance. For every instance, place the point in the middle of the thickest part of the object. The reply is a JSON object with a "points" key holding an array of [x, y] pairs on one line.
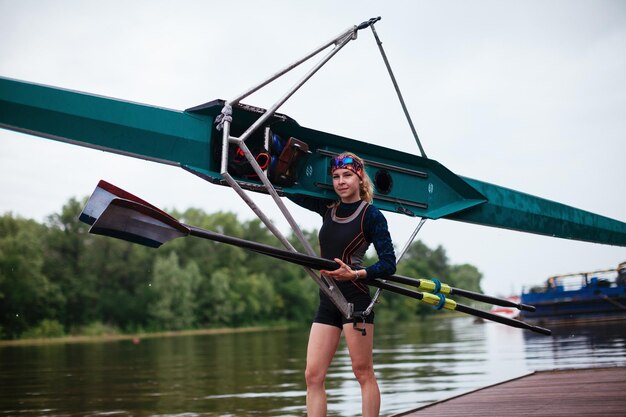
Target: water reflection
{"points": [[261, 374], [593, 344]]}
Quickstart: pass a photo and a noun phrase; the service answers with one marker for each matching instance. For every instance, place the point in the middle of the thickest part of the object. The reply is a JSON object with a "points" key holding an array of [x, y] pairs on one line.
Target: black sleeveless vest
{"points": [[343, 238]]}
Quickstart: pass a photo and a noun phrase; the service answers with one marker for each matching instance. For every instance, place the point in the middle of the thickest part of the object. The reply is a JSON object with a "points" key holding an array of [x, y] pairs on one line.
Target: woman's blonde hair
{"points": [[366, 189]]}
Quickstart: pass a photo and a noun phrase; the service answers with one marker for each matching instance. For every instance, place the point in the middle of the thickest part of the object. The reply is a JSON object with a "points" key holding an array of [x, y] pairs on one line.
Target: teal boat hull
{"points": [[404, 183]]}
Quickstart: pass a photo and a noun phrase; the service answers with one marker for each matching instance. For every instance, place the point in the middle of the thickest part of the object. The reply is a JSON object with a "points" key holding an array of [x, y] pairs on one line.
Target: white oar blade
{"points": [[103, 195], [135, 222]]}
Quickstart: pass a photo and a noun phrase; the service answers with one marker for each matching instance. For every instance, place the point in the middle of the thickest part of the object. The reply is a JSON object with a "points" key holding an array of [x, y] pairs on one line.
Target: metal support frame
{"points": [[339, 42]]}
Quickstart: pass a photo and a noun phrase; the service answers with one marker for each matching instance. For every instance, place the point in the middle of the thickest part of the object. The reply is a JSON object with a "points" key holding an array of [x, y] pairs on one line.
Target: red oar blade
{"points": [[135, 222], [103, 195]]}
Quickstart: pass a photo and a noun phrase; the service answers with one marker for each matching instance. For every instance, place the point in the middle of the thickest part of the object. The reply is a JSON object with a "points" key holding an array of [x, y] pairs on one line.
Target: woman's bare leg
{"points": [[323, 342], [360, 348]]}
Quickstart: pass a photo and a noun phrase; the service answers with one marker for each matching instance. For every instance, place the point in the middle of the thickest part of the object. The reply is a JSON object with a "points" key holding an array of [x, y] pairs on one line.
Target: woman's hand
{"points": [[343, 273]]}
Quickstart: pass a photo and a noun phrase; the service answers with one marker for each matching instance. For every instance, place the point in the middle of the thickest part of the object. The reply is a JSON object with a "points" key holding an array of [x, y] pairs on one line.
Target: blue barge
{"points": [[586, 296]]}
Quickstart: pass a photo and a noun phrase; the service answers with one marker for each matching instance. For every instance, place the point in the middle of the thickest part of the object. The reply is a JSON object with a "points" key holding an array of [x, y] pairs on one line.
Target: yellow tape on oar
{"points": [[439, 301], [434, 286]]}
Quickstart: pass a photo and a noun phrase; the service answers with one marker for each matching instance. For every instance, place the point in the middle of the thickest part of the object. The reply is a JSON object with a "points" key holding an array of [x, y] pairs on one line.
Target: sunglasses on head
{"points": [[347, 162]]}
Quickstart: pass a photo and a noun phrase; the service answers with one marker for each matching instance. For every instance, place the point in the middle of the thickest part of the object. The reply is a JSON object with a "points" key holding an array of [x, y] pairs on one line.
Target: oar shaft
{"points": [[398, 290], [491, 300], [313, 263], [501, 319], [283, 254]]}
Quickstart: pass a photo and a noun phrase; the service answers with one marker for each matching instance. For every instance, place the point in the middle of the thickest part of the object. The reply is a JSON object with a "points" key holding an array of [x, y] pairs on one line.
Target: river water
{"points": [[261, 373]]}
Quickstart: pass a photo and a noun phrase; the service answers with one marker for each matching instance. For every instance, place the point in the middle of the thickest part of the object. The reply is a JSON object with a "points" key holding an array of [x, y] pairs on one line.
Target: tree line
{"points": [[57, 279]]}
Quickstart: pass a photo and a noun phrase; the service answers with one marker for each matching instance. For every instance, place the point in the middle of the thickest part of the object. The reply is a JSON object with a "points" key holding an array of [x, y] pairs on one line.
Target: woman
{"points": [[349, 226]]}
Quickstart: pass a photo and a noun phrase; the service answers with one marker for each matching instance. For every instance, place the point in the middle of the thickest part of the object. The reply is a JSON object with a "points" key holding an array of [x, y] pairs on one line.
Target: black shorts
{"points": [[328, 313]]}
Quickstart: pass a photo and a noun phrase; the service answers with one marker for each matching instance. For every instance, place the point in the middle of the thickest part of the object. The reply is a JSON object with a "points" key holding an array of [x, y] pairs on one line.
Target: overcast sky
{"points": [[529, 95]]}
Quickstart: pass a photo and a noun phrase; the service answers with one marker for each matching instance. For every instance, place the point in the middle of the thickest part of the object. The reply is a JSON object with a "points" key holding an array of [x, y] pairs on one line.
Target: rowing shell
{"points": [[403, 182]]}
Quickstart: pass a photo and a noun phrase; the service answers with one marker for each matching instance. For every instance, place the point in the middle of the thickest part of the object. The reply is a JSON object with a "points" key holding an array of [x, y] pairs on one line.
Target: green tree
{"points": [[465, 276], [66, 250], [26, 295], [235, 296], [122, 274], [216, 306], [174, 290], [296, 293], [56, 277]]}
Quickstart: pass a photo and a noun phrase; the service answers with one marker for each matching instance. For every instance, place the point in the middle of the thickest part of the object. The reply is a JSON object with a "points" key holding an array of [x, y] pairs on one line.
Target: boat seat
{"points": [[285, 156]]}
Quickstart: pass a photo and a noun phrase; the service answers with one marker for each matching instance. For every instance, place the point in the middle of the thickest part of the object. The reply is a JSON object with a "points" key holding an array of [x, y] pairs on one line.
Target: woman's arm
{"points": [[376, 231], [310, 203]]}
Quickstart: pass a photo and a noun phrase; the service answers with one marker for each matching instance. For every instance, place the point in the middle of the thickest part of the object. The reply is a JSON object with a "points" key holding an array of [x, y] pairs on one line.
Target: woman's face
{"points": [[347, 185]]}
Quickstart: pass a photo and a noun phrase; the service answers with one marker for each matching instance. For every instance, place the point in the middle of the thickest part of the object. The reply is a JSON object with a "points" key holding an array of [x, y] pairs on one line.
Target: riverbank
{"points": [[136, 338]]}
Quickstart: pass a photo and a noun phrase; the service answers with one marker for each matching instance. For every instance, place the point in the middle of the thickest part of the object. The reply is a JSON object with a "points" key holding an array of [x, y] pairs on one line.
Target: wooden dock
{"points": [[574, 392]]}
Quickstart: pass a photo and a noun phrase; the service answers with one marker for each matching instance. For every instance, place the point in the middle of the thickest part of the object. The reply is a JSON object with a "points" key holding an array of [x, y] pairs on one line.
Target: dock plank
{"points": [[557, 393]]}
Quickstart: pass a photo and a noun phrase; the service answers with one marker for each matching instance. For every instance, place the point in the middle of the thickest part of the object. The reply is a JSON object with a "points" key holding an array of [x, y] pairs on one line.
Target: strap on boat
{"points": [[239, 165]]}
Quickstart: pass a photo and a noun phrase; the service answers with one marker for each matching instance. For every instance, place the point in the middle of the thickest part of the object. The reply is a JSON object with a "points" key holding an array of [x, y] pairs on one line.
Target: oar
{"points": [[438, 287], [134, 221], [448, 304], [322, 263], [152, 234]]}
